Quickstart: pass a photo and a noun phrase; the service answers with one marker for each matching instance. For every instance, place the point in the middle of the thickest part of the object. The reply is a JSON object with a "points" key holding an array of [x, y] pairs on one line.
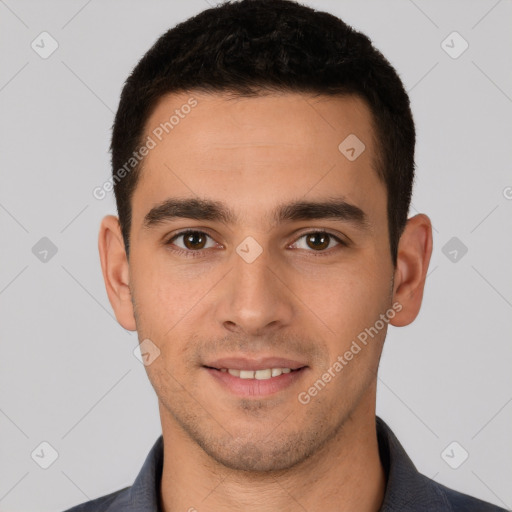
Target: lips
{"points": [[255, 377]]}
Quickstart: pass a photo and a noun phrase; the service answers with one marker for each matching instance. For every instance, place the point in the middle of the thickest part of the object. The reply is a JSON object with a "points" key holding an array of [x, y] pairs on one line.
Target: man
{"points": [[263, 162]]}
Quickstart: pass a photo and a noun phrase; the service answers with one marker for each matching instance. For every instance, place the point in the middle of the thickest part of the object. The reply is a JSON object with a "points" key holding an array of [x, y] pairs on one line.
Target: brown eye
{"points": [[194, 240], [318, 241], [190, 241]]}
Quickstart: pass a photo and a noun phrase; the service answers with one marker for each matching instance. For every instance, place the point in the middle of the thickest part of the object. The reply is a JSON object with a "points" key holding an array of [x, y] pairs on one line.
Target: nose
{"points": [[256, 298]]}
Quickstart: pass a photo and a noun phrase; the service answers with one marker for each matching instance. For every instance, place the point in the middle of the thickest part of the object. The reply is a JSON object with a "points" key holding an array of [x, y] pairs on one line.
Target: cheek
{"points": [[345, 302], [161, 298], [170, 302], [165, 286]]}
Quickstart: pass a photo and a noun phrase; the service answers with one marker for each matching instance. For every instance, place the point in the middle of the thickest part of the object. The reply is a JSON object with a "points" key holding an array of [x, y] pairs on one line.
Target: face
{"points": [[258, 245]]}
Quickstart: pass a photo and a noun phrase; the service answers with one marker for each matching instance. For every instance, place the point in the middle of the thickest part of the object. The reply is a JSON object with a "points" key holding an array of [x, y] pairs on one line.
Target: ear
{"points": [[114, 265], [414, 251]]}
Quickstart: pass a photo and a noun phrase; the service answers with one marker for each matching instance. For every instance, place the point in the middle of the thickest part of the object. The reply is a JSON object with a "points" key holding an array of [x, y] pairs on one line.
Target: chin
{"points": [[266, 453], [255, 458]]}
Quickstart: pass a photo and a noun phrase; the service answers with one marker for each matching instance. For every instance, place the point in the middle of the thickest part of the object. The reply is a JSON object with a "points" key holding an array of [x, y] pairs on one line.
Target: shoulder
{"points": [[408, 489], [109, 503], [460, 502], [142, 495]]}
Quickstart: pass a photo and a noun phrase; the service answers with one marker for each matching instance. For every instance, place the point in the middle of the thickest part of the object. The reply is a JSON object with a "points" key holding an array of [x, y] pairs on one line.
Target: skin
{"points": [[224, 452]]}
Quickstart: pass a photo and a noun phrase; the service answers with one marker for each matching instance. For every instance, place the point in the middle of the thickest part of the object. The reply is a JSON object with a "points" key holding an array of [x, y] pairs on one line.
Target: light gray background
{"points": [[67, 369]]}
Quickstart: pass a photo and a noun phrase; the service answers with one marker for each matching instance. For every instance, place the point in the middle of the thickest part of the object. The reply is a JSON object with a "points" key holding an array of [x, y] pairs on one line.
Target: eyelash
{"points": [[191, 253]]}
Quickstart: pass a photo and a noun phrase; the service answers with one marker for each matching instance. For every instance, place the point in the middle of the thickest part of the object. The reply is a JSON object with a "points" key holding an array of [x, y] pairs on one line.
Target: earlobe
{"points": [[414, 252], [115, 269]]}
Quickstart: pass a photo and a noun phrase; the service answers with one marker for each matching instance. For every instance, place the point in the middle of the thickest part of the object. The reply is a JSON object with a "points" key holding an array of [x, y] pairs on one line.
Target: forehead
{"points": [[219, 122], [251, 152]]}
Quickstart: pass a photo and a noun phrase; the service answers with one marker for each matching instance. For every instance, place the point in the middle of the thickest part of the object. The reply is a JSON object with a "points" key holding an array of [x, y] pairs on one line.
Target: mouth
{"points": [[255, 377]]}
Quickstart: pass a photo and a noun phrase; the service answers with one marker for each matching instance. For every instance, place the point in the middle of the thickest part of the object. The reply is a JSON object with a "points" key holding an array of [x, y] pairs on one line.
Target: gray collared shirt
{"points": [[407, 490]]}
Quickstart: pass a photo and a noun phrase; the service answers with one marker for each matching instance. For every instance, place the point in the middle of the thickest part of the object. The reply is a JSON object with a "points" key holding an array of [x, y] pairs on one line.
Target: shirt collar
{"points": [[406, 488], [145, 491]]}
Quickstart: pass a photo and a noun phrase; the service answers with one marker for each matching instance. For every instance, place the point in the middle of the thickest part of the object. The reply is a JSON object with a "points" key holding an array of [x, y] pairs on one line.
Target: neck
{"points": [[346, 474]]}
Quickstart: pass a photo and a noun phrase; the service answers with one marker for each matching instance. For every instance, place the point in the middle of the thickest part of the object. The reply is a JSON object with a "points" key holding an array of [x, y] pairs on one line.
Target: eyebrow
{"points": [[206, 209]]}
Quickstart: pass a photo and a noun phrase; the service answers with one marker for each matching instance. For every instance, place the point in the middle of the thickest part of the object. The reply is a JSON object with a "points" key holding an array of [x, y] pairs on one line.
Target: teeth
{"points": [[263, 374], [257, 374]]}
